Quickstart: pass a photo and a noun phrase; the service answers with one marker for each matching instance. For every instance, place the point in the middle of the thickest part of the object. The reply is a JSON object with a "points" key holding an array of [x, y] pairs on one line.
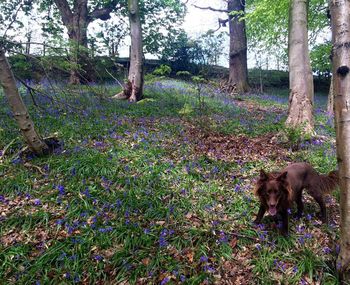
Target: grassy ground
{"points": [[158, 192]]}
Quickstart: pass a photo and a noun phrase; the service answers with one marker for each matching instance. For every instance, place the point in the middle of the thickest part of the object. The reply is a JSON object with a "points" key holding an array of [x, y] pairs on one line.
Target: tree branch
{"points": [[66, 12], [103, 13], [211, 9]]}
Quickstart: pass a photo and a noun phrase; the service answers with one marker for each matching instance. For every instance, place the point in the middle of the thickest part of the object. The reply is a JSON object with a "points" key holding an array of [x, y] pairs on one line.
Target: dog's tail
{"points": [[327, 183]]}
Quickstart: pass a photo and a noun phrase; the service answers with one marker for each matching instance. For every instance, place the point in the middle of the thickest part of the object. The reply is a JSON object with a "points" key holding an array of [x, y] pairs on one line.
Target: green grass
{"points": [[129, 198]]}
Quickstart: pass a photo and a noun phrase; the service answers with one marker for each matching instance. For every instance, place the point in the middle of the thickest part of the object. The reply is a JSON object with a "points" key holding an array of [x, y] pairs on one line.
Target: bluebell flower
{"points": [[98, 257], [327, 250], [165, 281], [162, 242], [60, 189], [203, 258]]}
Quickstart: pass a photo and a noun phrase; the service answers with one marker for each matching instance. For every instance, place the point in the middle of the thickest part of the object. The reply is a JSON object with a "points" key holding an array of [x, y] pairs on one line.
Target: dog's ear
{"points": [[259, 188], [263, 175], [282, 177]]}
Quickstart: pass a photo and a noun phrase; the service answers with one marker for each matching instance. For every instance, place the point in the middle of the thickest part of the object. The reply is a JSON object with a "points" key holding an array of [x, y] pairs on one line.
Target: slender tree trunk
{"points": [[301, 97], [19, 110], [238, 76], [134, 87], [340, 11]]}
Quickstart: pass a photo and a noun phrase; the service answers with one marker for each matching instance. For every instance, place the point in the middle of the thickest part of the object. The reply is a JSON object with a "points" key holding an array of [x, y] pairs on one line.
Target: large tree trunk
{"points": [[238, 48], [77, 20], [134, 87], [19, 110], [81, 71], [301, 97], [340, 11]]}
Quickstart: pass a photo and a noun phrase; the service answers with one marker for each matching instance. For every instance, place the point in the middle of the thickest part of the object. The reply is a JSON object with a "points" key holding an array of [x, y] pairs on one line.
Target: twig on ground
{"points": [[5, 149], [29, 165]]}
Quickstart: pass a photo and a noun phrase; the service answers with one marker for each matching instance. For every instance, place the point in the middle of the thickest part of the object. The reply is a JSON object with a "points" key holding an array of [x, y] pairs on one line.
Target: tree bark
{"points": [[340, 11], [330, 102], [19, 110], [301, 97], [77, 20], [133, 90], [238, 76]]}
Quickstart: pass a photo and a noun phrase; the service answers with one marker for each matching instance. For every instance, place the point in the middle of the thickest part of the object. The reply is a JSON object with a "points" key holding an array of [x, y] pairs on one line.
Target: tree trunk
{"points": [[134, 87], [238, 76], [82, 71], [330, 103], [19, 110], [340, 10], [300, 111], [77, 20]]}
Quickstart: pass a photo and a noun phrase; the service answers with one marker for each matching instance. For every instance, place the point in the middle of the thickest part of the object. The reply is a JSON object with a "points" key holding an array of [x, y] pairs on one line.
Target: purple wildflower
{"points": [[162, 242], [207, 268], [165, 281], [98, 257], [203, 258], [60, 189], [2, 199], [337, 248], [327, 250], [105, 230]]}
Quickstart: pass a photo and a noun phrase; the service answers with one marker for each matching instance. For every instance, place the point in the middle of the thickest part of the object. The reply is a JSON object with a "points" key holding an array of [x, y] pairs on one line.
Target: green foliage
{"points": [[320, 59], [112, 34], [162, 70], [267, 25], [185, 53], [183, 73], [294, 136]]}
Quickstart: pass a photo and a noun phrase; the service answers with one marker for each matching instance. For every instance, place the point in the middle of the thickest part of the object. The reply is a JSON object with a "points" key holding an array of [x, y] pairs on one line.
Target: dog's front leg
{"points": [[284, 229], [260, 214]]}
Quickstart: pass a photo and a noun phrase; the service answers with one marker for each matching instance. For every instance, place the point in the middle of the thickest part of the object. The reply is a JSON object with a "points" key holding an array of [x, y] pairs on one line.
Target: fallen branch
{"points": [[29, 165], [6, 148], [121, 85]]}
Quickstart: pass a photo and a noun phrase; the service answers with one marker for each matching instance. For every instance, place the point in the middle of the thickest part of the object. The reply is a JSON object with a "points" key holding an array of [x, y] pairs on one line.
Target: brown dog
{"points": [[278, 190]]}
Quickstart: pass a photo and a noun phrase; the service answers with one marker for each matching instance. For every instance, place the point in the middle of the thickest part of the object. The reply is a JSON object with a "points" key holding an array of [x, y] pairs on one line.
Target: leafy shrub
{"points": [[162, 70]]}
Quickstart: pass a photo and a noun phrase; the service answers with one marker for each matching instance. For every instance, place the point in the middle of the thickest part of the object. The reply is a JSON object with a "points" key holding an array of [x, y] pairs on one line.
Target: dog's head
{"points": [[273, 190]]}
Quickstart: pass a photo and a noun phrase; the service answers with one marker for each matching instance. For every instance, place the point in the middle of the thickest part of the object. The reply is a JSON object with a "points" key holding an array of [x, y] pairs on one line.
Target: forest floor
{"points": [[159, 192]]}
